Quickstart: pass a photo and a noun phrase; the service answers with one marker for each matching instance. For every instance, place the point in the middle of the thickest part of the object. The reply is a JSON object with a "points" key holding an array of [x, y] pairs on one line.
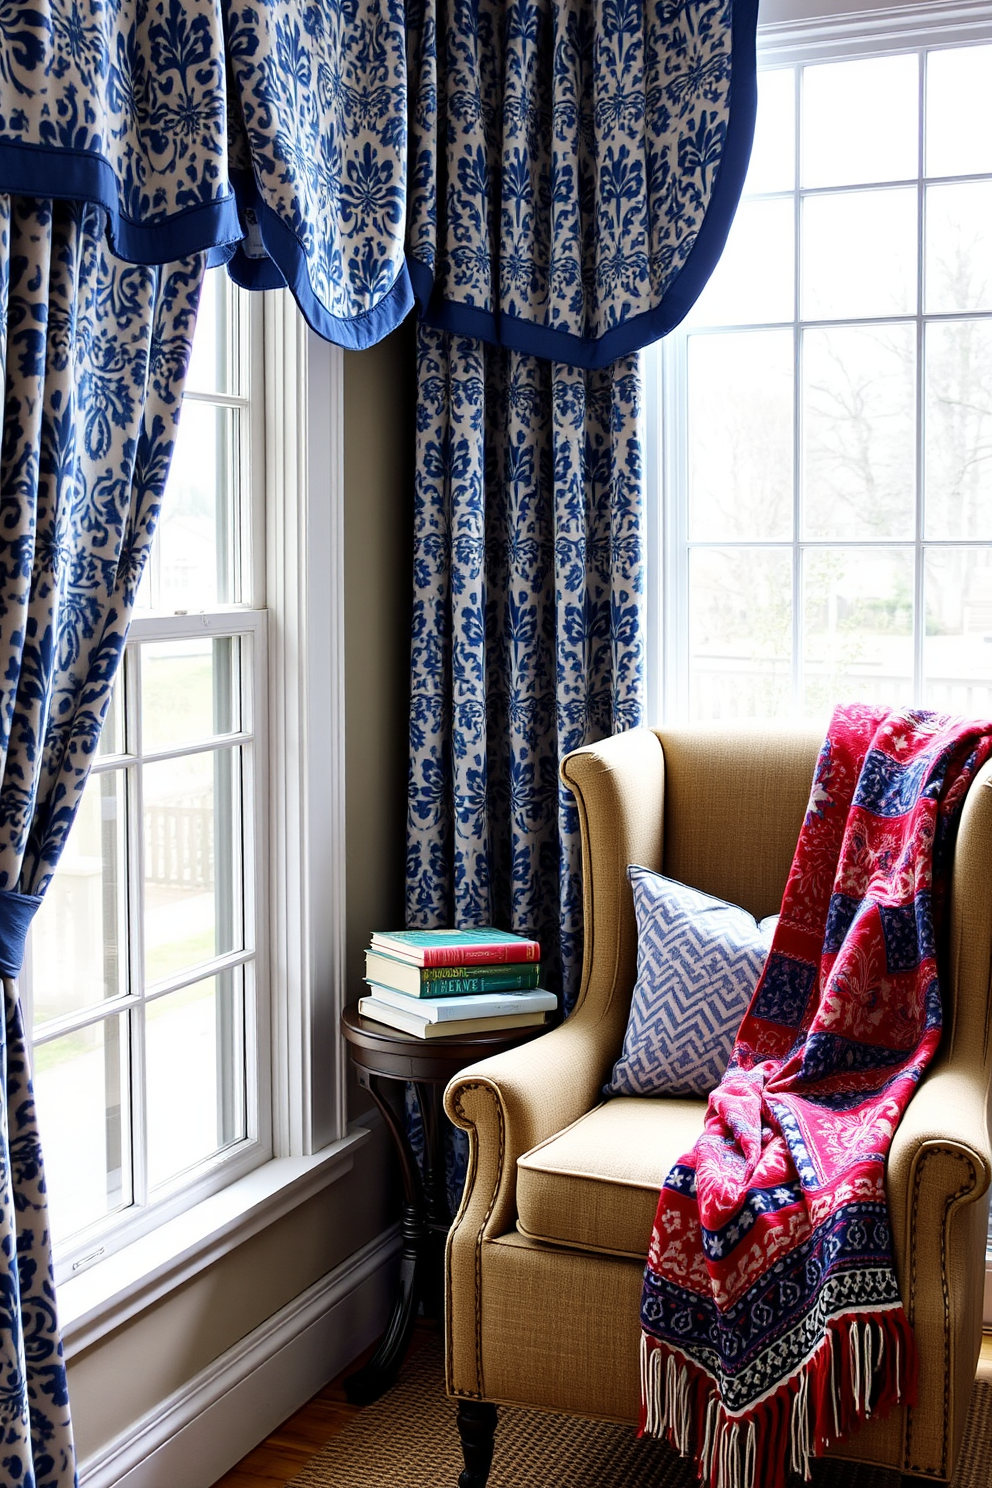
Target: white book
{"points": [[475, 1005], [393, 1017]]}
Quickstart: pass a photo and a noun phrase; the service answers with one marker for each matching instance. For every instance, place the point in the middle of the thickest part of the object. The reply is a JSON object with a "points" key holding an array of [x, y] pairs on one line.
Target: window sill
{"points": [[105, 1296]]}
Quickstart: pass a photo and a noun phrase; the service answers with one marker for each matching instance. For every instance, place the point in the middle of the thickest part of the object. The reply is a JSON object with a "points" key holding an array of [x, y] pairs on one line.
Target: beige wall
{"points": [[126, 1374], [379, 435]]}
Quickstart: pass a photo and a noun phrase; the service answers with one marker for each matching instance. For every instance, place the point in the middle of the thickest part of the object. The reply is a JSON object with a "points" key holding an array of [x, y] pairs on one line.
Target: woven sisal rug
{"points": [[408, 1440]]}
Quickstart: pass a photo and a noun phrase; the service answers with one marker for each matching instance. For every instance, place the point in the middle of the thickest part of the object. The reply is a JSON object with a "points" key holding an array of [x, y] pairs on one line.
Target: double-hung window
{"points": [[146, 974], [822, 422]]}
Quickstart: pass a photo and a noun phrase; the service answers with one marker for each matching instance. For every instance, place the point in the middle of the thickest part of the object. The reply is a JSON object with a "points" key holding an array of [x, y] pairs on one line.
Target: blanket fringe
{"points": [[862, 1367]]}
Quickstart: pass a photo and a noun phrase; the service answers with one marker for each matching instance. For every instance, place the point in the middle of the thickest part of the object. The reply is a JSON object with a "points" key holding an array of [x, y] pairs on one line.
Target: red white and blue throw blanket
{"points": [[771, 1318]]}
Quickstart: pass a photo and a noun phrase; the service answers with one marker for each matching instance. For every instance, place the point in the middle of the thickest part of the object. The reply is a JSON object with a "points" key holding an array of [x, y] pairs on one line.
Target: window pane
{"points": [[193, 875], [858, 419], [210, 366], [958, 423], [189, 691], [957, 648], [772, 166], [194, 1066], [859, 254], [740, 435], [860, 121], [78, 939], [192, 564], [78, 1082], [959, 111], [753, 282], [740, 632], [958, 262], [857, 626]]}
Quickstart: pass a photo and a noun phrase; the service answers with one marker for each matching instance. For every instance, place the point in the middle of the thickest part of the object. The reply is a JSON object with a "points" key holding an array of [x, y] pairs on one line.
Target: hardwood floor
{"points": [[278, 1459], [281, 1456], [985, 1358]]}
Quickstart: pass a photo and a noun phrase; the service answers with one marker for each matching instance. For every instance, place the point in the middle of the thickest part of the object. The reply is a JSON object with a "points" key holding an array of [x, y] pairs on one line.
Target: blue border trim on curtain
{"points": [[285, 263], [57, 174], [16, 913], [562, 346]]}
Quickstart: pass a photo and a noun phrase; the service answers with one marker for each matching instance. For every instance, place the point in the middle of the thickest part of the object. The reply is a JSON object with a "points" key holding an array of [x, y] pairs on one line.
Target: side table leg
{"points": [[436, 1207], [375, 1377]]}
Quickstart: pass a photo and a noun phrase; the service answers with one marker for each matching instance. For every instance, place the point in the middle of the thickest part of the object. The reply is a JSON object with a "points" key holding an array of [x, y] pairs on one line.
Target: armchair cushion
{"points": [[595, 1185], [698, 963]]}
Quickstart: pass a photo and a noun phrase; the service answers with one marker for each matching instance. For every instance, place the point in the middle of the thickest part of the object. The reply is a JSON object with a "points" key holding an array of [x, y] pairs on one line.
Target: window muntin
{"points": [[828, 406], [144, 975]]}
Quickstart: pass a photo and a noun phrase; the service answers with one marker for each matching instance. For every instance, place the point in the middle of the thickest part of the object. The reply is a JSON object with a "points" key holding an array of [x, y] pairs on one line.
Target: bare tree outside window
{"points": [[834, 389]]}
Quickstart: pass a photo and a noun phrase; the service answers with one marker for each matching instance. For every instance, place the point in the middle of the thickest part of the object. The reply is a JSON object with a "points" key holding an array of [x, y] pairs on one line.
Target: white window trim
{"points": [[106, 1296], [304, 400], [805, 30], [303, 776]]}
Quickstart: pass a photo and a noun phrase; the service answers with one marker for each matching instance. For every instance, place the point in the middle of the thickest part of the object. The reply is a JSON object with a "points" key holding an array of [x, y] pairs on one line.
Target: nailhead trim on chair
{"points": [[470, 1177], [957, 1156]]}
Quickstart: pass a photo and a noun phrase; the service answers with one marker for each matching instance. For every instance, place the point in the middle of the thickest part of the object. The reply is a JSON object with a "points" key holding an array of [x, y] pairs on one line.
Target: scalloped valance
{"points": [[556, 176]]}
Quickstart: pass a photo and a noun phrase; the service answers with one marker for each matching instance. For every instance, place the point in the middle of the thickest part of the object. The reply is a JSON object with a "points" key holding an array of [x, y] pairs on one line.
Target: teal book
{"points": [[449, 981], [456, 947]]}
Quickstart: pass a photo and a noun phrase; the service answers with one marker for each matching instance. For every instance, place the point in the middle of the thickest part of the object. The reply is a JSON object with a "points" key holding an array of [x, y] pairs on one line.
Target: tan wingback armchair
{"points": [[545, 1258]]}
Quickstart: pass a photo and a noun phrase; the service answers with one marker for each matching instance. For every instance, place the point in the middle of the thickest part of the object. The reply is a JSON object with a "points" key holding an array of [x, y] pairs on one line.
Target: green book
{"points": [[449, 981]]}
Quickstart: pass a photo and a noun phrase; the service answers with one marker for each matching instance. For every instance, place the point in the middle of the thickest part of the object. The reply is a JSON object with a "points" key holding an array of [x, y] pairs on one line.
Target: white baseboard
{"points": [[193, 1438]]}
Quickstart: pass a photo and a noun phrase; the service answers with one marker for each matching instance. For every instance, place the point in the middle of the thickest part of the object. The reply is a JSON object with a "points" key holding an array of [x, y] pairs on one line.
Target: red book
{"points": [[456, 947]]}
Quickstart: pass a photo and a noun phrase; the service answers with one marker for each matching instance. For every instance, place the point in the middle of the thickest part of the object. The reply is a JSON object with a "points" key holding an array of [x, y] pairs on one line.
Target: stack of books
{"points": [[441, 983]]}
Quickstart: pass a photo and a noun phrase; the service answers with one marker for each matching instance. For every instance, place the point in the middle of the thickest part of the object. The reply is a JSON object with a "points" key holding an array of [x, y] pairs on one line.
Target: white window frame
{"points": [[790, 32], [298, 563], [126, 1225], [247, 619]]}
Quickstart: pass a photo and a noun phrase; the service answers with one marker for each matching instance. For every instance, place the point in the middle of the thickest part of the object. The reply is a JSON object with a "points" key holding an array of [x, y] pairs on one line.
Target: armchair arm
{"points": [[948, 1116], [937, 1176], [514, 1100], [507, 1104]]}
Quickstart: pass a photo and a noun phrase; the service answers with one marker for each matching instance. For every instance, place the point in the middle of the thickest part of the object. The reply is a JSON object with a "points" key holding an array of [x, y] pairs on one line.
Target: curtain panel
{"points": [[527, 629], [94, 354], [555, 176], [576, 165]]}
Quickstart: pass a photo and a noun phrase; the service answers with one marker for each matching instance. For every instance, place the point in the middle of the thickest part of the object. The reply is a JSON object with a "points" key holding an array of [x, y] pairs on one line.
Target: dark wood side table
{"points": [[381, 1055]]}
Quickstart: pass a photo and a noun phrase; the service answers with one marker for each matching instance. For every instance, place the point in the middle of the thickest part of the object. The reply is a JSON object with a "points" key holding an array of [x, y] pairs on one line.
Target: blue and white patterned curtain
{"points": [[556, 176], [94, 354], [527, 629], [575, 165]]}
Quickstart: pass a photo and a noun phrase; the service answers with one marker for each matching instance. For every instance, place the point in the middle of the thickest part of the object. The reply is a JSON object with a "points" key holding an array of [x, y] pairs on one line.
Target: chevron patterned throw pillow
{"points": [[698, 962]]}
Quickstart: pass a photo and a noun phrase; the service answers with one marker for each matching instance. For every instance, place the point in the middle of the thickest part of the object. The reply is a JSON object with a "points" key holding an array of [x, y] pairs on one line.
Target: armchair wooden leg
{"points": [[477, 1429]]}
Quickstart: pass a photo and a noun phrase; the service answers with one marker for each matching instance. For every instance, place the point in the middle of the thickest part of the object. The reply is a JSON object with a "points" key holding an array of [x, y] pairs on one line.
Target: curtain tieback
{"points": [[16, 913]]}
